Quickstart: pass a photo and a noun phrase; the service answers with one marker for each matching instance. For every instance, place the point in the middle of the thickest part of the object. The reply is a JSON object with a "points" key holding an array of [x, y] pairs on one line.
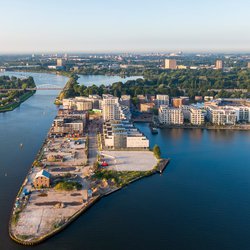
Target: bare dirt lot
{"points": [[129, 160]]}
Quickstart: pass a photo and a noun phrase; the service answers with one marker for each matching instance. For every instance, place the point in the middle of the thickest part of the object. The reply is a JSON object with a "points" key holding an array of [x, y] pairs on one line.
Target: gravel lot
{"points": [[130, 160]]}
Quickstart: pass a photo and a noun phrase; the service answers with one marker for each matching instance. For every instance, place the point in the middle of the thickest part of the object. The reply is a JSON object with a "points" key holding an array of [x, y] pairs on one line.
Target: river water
{"points": [[200, 202]]}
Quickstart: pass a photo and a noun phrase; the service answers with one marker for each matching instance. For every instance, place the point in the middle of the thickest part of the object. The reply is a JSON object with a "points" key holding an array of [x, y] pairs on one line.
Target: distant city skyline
{"points": [[132, 26]]}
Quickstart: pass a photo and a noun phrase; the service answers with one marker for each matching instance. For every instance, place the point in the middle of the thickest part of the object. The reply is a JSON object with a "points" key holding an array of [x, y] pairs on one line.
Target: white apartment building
{"points": [[78, 103], [169, 115], [110, 108], [242, 113], [122, 134], [161, 100], [193, 114], [196, 116], [221, 115]]}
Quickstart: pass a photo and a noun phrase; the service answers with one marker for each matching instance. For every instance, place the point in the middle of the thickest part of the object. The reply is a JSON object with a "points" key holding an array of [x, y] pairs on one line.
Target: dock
{"points": [[162, 165]]}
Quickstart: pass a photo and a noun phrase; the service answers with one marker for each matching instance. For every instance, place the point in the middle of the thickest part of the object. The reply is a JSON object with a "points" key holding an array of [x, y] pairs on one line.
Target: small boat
{"points": [[21, 145], [154, 130]]}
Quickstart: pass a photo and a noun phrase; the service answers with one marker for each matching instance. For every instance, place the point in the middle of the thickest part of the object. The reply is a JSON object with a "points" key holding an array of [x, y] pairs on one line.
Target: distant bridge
{"points": [[39, 87]]}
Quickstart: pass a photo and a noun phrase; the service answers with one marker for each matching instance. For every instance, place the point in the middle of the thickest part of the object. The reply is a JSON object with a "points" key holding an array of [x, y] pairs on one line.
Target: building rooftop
{"points": [[43, 173]]}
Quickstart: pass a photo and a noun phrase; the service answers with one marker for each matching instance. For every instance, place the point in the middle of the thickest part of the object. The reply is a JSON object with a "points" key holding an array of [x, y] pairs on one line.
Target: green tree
{"points": [[157, 151]]}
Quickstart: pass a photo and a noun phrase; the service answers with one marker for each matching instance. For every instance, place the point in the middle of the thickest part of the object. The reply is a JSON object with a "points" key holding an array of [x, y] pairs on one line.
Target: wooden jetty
{"points": [[162, 165]]}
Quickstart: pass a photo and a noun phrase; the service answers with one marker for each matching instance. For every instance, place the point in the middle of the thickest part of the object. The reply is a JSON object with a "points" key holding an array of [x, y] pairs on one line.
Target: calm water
{"points": [[200, 202], [41, 78]]}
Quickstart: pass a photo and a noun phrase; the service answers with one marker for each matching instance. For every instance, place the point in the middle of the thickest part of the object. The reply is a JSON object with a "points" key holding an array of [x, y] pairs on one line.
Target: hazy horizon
{"points": [[124, 27]]}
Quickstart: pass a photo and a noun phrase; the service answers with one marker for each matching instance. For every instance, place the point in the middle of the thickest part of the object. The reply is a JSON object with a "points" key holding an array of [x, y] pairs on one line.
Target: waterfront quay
{"points": [[68, 176]]}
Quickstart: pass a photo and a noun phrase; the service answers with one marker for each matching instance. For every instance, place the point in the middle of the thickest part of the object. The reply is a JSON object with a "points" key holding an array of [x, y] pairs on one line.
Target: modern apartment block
{"points": [[110, 108], [196, 116], [221, 115], [168, 115], [82, 103], [193, 114], [62, 125], [123, 135], [161, 100], [170, 64], [242, 113]]}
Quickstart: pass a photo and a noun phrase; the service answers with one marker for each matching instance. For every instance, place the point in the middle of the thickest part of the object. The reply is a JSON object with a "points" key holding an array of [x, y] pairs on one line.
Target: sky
{"points": [[124, 26]]}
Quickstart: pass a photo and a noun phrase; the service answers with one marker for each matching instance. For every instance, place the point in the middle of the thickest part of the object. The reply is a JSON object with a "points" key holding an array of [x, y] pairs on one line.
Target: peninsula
{"points": [[88, 154]]}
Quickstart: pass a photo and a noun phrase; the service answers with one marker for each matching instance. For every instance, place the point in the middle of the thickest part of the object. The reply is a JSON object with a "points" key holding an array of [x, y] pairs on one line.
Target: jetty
{"points": [[163, 163]]}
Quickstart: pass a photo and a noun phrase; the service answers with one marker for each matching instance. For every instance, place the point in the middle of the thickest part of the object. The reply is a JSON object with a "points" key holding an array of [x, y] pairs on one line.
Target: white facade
{"points": [[137, 142], [169, 115], [193, 114], [122, 134], [221, 115], [242, 113], [196, 116], [112, 110]]}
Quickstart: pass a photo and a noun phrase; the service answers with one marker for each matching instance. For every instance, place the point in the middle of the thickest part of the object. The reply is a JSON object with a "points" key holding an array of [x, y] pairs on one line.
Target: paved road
{"points": [[93, 128], [92, 148]]}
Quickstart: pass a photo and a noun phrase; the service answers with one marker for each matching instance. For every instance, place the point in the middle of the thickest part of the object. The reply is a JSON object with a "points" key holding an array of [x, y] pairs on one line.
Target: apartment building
{"points": [[221, 115], [110, 108], [170, 64], [161, 100], [62, 125], [196, 116], [193, 114], [123, 135], [169, 115]]}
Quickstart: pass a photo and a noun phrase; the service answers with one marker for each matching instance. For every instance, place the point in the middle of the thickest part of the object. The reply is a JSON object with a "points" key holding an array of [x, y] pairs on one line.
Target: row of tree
{"points": [[173, 83]]}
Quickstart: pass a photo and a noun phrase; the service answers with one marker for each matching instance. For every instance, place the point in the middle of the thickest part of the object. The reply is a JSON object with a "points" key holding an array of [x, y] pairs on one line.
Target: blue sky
{"points": [[128, 25]]}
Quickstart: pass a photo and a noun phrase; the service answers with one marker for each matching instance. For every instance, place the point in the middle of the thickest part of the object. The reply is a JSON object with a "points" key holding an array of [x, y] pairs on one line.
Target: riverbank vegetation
{"points": [[14, 91], [203, 82]]}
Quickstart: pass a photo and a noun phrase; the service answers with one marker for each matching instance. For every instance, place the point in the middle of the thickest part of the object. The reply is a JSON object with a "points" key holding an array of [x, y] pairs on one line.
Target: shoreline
{"points": [[13, 106], [206, 127], [71, 219], [239, 127], [31, 223]]}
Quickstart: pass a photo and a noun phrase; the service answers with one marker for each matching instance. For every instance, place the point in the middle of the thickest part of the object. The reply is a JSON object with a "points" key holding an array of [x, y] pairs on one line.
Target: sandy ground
{"points": [[37, 219], [130, 160]]}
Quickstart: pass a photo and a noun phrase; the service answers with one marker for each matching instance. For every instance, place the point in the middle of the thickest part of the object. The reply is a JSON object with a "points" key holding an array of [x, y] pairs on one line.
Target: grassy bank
{"points": [[121, 178], [12, 106]]}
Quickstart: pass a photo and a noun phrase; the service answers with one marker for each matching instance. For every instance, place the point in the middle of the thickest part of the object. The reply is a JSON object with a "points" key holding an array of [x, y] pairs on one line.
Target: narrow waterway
{"points": [[201, 201]]}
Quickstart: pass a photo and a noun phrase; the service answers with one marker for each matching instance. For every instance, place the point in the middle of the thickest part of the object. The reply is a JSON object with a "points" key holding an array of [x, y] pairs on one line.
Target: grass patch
{"points": [[68, 185], [121, 178]]}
